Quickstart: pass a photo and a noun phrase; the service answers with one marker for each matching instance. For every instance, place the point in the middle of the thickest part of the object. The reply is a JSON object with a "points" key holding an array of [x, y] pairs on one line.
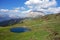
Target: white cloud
{"points": [[43, 5], [40, 3], [22, 8], [27, 11], [54, 10], [4, 10], [14, 13], [37, 5], [18, 9], [7, 10], [35, 14]]}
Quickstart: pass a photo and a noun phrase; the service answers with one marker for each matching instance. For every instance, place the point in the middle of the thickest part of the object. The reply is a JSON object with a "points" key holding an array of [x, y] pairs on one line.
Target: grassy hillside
{"points": [[44, 28]]}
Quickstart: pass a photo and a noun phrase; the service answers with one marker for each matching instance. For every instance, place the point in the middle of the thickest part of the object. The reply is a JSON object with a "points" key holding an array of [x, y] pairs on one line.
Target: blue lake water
{"points": [[19, 29]]}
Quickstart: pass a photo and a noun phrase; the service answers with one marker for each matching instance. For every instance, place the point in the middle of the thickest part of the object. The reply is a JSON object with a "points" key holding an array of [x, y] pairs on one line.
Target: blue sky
{"points": [[58, 1], [15, 3], [4, 4], [23, 7]]}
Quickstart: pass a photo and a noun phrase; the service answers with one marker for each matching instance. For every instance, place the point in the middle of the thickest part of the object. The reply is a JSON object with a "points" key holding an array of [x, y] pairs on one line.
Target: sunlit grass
{"points": [[41, 29]]}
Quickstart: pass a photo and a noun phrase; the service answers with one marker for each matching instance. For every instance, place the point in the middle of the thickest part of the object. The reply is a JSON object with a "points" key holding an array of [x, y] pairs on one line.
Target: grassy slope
{"points": [[45, 28]]}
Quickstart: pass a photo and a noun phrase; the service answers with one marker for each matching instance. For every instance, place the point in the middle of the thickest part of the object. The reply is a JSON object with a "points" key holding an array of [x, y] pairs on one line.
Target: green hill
{"points": [[44, 28]]}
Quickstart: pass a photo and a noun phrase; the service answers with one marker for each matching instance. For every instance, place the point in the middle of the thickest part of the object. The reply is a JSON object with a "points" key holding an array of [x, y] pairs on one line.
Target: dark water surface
{"points": [[19, 29]]}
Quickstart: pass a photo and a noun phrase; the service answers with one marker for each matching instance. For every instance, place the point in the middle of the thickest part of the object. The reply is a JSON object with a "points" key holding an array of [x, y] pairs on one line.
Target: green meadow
{"points": [[44, 28]]}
